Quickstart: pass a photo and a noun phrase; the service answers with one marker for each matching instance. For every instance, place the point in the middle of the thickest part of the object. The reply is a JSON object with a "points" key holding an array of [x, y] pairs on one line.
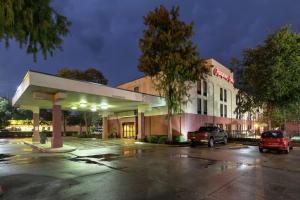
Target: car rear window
{"points": [[206, 129], [272, 134]]}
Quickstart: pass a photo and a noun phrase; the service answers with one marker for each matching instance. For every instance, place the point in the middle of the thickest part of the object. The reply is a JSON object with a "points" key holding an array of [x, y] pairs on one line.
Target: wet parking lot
{"points": [[120, 169]]}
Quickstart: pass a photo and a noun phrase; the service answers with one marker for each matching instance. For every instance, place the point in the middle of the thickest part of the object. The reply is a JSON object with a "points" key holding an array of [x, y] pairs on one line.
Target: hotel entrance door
{"points": [[128, 130]]}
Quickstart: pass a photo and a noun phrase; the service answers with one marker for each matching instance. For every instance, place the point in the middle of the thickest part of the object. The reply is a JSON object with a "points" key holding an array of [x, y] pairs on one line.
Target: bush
{"points": [[84, 135], [15, 134], [179, 138], [162, 139]]}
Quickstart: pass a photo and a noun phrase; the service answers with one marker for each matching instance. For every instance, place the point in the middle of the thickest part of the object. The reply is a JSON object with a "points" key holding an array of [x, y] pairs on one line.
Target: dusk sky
{"points": [[105, 34]]}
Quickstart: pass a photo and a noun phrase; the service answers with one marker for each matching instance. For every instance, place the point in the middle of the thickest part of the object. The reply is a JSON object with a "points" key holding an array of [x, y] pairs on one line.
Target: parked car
{"points": [[209, 135], [295, 138], [276, 140]]}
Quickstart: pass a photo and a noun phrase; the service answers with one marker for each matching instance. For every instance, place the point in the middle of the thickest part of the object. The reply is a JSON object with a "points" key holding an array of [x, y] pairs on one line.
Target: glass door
{"points": [[128, 130]]}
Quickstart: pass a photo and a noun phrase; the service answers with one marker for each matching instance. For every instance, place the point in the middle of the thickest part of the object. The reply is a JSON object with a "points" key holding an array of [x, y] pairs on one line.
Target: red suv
{"points": [[275, 140]]}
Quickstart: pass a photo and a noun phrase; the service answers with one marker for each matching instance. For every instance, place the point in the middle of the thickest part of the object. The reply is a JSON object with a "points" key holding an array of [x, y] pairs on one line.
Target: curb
{"points": [[50, 150]]}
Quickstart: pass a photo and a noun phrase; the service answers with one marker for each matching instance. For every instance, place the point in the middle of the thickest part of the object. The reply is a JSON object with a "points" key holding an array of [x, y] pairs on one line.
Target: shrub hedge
{"points": [[162, 139], [11, 134]]}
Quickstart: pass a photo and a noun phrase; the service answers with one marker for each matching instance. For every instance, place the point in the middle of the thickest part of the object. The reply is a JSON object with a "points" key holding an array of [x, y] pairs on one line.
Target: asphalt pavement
{"points": [[123, 169]]}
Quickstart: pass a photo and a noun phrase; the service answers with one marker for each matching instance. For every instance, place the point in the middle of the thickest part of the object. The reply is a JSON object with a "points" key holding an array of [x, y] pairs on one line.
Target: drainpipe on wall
{"points": [[213, 104]]}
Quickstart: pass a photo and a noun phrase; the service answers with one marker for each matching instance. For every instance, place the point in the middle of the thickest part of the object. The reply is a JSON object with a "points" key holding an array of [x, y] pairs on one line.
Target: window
{"points": [[238, 114], [249, 127], [204, 88], [205, 107], [272, 134], [225, 110], [221, 110], [225, 95], [199, 87], [249, 116], [199, 106], [221, 94], [136, 89]]}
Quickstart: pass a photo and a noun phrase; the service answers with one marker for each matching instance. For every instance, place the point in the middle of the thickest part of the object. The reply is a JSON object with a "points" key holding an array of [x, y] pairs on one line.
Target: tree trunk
{"points": [[64, 123], [86, 124], [269, 111], [80, 129], [180, 124], [170, 137]]}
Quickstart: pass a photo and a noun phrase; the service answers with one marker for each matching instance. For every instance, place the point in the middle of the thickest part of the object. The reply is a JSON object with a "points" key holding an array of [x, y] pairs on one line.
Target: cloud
{"points": [[105, 34]]}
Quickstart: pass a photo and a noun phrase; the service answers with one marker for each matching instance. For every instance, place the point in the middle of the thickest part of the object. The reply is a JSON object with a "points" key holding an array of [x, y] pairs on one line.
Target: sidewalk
{"points": [[46, 148]]}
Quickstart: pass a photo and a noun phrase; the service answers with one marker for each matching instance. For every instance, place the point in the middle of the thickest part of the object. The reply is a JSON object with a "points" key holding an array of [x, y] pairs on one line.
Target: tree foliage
{"points": [[170, 57], [5, 112], [34, 24], [271, 73], [91, 75]]}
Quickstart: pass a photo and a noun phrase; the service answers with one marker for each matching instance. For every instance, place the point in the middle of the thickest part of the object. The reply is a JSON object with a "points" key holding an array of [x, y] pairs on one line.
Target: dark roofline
{"points": [[143, 76], [35, 71]]}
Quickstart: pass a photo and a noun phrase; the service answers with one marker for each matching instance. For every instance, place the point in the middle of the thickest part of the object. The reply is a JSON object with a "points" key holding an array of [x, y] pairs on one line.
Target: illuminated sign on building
{"points": [[222, 75]]}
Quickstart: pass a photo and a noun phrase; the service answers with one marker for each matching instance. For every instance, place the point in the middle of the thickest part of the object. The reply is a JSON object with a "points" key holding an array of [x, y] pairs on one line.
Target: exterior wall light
{"points": [[74, 107], [83, 105], [103, 106]]}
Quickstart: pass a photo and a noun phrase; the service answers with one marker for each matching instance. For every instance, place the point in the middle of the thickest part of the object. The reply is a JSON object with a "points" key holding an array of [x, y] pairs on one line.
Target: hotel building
{"points": [[213, 101], [134, 109]]}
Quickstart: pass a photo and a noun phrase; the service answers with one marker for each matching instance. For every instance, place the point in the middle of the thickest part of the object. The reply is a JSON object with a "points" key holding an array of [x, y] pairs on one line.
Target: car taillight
{"points": [[205, 134]]}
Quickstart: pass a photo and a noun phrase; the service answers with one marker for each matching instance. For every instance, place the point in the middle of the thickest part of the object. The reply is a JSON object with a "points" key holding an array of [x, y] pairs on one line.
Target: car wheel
{"points": [[261, 150], [193, 144], [211, 142], [225, 140]]}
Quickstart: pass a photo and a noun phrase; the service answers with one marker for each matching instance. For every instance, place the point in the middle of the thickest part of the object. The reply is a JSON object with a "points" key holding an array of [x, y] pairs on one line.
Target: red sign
{"points": [[222, 75]]}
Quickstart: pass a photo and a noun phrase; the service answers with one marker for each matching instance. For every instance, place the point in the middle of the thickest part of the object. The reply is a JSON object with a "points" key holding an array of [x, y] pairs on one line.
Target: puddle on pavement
{"points": [[104, 157], [222, 165], [2, 142], [99, 157], [98, 160], [5, 157]]}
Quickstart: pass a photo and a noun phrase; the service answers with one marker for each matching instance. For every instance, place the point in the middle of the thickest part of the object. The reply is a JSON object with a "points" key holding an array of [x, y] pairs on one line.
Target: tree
{"points": [[5, 112], [90, 74], [271, 73], [170, 58], [34, 24]]}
